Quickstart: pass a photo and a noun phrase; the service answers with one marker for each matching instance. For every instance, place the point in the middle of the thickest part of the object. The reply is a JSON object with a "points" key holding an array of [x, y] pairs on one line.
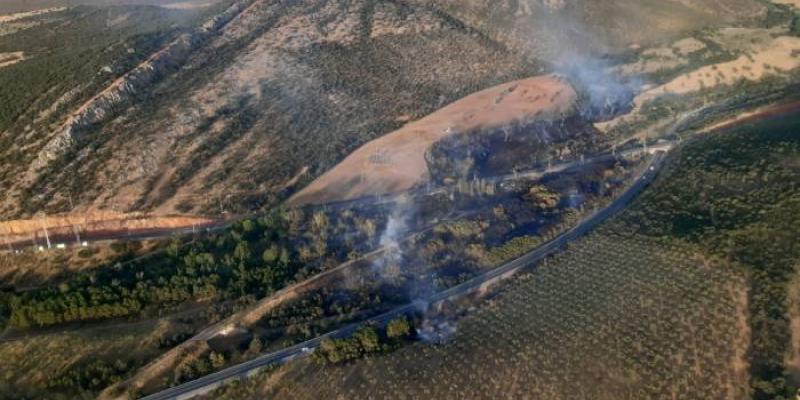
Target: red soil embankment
{"points": [[96, 222], [756, 115], [396, 162]]}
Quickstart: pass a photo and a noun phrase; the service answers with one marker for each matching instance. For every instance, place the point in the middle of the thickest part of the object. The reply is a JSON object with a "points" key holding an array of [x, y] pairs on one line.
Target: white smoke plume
{"points": [[391, 239]]}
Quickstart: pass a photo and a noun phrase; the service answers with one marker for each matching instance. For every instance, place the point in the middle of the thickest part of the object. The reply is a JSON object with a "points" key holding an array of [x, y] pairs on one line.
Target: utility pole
{"points": [[44, 228], [77, 232]]}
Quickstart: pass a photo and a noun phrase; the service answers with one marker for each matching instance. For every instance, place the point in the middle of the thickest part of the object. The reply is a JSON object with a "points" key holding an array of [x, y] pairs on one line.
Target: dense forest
{"points": [[249, 260]]}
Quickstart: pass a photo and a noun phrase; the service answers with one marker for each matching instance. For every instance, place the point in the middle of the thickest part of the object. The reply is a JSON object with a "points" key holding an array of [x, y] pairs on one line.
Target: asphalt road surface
{"points": [[212, 381]]}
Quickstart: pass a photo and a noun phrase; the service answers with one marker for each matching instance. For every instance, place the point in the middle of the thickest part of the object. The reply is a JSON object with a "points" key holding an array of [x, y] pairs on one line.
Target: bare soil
{"points": [[774, 58], [396, 162], [17, 230], [763, 58]]}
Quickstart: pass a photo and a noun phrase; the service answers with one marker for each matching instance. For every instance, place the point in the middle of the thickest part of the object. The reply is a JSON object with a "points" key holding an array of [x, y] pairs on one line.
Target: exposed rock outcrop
{"points": [[123, 90]]}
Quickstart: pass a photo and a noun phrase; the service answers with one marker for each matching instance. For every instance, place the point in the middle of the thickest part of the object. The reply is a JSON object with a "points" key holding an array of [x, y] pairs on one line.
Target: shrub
{"points": [[398, 328], [85, 253]]}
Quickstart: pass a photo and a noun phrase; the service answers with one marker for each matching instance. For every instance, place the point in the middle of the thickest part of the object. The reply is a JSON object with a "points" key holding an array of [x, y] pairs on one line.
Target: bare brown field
{"points": [[774, 58], [396, 162], [764, 58]]}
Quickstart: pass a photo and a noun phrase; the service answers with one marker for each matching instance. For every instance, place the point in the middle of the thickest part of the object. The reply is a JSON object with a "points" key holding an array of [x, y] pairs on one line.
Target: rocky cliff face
{"points": [[119, 93]]}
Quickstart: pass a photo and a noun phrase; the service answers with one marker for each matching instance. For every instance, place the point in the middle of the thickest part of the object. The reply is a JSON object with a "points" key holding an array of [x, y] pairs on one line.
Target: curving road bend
{"points": [[213, 381]]}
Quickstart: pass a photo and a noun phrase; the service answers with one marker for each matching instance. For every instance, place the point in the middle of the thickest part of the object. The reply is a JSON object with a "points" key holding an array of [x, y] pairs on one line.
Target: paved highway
{"points": [[212, 381]]}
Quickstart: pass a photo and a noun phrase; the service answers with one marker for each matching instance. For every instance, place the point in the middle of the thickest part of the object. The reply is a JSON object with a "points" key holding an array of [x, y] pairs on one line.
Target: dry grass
{"points": [[27, 14], [663, 58], [33, 269], [396, 161], [30, 364], [793, 3], [762, 57], [775, 58]]}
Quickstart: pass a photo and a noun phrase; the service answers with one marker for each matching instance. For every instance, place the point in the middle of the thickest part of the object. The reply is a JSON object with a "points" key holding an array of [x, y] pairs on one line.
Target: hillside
{"points": [[690, 293], [396, 162], [242, 112], [191, 164], [11, 7], [557, 29]]}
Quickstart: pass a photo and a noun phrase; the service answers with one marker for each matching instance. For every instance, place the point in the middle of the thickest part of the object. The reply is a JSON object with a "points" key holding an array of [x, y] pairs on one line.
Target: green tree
{"points": [[217, 360], [271, 254], [248, 226], [398, 328], [242, 251], [255, 347], [542, 197], [368, 339]]}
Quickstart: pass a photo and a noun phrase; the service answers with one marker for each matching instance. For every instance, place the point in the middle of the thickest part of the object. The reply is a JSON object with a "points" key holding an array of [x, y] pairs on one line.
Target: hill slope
{"points": [[552, 29], [396, 162], [232, 118]]}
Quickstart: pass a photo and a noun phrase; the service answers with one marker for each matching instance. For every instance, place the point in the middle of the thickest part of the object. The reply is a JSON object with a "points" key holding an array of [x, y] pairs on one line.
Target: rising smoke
{"points": [[434, 328], [603, 93], [392, 237], [580, 53]]}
